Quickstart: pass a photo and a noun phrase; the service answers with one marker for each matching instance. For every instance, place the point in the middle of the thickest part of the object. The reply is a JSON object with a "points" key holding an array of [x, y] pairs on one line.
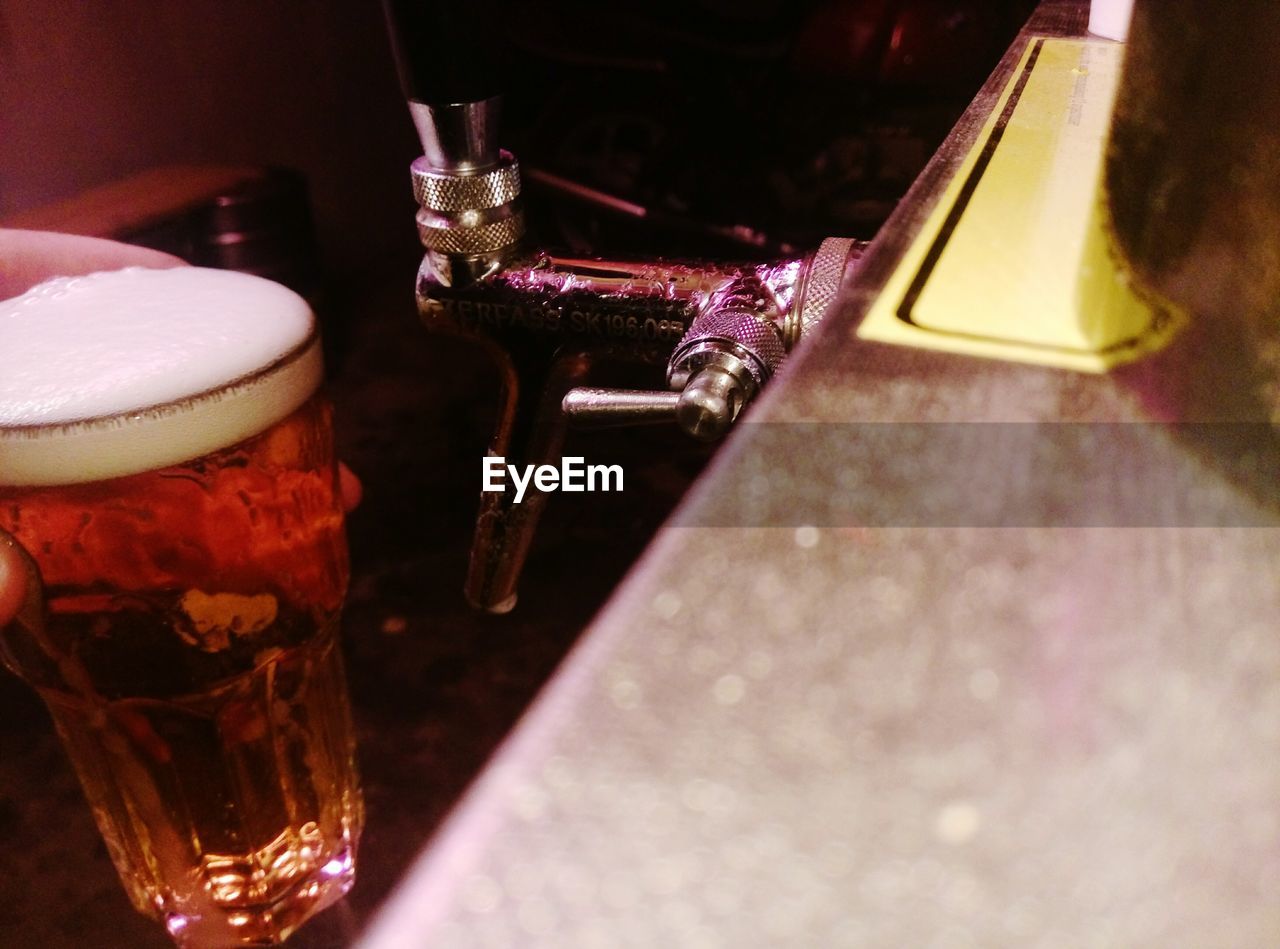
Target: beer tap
{"points": [[551, 322]]}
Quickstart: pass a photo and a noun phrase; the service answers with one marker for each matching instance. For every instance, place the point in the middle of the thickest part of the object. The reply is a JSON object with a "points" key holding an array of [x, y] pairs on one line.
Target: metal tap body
{"points": [[642, 308]]}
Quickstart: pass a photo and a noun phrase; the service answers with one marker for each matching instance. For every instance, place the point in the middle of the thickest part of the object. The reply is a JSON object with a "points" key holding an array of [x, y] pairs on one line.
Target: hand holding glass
{"points": [[185, 516]]}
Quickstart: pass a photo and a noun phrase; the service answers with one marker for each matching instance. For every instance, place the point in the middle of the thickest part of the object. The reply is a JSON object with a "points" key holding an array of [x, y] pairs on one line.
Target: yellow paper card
{"points": [[1014, 262]]}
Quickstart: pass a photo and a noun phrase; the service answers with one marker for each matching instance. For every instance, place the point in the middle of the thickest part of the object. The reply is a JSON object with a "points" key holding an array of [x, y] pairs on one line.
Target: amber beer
{"points": [[194, 565]]}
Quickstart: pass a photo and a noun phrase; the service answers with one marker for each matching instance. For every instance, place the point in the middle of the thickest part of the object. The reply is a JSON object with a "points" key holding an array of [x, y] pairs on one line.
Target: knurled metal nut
{"points": [[450, 192], [743, 327], [449, 238], [820, 289]]}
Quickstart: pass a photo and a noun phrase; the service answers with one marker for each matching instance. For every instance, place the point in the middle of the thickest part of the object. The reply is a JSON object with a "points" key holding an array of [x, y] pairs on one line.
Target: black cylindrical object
{"points": [[447, 53]]}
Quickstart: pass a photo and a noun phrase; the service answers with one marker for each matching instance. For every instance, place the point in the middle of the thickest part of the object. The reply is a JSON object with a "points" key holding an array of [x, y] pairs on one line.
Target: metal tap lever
{"points": [[603, 407], [705, 408]]}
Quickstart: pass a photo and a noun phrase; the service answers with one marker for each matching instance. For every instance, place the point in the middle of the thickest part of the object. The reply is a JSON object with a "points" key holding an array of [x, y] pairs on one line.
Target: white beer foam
{"points": [[123, 371]]}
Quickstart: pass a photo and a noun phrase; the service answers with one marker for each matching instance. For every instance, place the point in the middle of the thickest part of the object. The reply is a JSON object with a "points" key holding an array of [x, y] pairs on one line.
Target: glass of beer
{"points": [[166, 459]]}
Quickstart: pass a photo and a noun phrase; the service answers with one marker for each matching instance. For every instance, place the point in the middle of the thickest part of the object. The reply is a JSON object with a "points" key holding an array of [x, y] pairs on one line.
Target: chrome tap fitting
{"points": [[729, 352], [737, 340], [468, 190]]}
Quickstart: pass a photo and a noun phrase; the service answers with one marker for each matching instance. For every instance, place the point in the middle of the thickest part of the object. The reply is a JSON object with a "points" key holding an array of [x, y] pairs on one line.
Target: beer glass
{"points": [[194, 564]]}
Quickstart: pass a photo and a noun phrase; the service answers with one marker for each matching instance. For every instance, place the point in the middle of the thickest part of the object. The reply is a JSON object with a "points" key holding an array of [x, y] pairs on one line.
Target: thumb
{"points": [[14, 578]]}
